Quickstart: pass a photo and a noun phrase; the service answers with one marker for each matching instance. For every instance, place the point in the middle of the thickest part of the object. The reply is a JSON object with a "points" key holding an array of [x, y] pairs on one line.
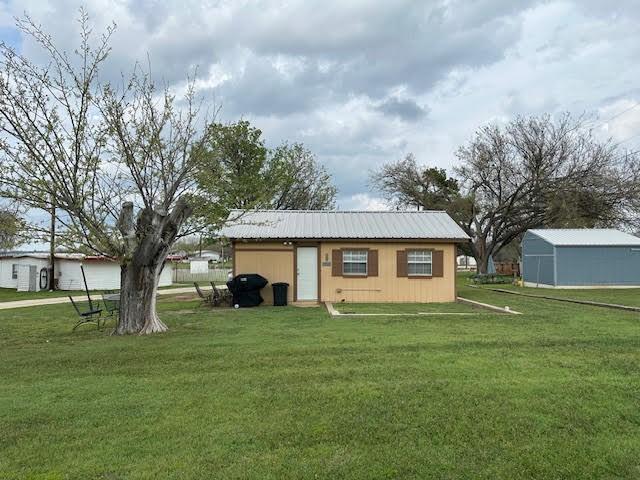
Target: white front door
{"points": [[307, 275]]}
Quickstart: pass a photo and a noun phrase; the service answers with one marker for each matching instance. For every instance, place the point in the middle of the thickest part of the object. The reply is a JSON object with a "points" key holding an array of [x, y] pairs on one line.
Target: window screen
{"points": [[354, 262], [419, 262]]}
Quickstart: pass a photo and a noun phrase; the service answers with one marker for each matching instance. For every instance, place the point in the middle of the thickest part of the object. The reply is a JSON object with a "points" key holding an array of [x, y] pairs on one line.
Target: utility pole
{"points": [[52, 247]]}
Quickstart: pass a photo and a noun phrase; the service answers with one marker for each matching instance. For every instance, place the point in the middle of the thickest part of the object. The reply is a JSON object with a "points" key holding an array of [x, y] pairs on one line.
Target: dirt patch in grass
{"points": [[183, 298]]}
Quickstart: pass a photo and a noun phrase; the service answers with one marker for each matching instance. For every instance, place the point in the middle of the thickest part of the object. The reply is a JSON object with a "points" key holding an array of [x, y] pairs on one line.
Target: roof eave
{"points": [[627, 245], [351, 239]]}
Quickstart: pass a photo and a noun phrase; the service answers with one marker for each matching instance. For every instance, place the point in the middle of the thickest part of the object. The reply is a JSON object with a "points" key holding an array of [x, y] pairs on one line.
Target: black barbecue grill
{"points": [[246, 289]]}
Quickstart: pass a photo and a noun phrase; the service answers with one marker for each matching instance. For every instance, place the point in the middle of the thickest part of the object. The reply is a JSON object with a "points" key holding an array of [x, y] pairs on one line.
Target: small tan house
{"points": [[346, 255]]}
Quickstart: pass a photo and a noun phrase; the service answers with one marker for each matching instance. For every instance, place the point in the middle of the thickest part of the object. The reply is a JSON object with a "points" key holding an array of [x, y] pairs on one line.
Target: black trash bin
{"points": [[280, 294]]}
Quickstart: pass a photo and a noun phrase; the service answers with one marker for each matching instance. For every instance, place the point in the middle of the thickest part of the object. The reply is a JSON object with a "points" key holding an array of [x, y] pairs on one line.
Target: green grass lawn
{"points": [[294, 393]]}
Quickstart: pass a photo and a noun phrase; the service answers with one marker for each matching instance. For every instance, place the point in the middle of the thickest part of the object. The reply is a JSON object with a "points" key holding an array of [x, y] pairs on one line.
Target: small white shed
{"points": [[22, 271]]}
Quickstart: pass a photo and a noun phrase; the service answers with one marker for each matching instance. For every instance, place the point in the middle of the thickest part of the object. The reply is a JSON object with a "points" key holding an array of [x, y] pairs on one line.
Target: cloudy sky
{"points": [[364, 82]]}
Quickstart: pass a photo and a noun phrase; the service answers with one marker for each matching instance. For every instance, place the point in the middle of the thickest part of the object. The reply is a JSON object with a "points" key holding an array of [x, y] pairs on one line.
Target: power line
{"points": [[627, 139], [635, 105], [622, 112], [619, 114]]}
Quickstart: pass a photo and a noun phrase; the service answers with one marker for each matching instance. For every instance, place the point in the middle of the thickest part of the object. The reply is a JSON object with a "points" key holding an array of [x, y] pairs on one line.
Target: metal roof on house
{"points": [[330, 224], [586, 237]]}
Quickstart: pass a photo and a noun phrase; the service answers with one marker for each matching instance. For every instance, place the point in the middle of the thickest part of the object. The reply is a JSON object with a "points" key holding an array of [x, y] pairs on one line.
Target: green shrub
{"points": [[491, 278]]}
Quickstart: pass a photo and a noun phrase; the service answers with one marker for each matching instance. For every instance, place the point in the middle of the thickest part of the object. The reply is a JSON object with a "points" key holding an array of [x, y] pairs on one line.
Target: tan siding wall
{"points": [[274, 261], [387, 287], [261, 258]]}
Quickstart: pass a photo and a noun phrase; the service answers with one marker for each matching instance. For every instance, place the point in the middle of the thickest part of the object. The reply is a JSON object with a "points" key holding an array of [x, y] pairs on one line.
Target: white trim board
{"points": [[335, 313], [506, 308], [578, 287]]}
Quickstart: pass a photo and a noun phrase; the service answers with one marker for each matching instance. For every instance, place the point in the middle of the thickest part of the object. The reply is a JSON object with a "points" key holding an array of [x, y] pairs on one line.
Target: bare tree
{"points": [[116, 162], [405, 184], [516, 175], [533, 172], [303, 183]]}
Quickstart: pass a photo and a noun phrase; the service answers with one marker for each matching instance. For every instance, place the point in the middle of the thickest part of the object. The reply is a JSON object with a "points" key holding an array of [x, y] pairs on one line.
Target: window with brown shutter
{"points": [[336, 263], [420, 263], [438, 263], [401, 263], [372, 260]]}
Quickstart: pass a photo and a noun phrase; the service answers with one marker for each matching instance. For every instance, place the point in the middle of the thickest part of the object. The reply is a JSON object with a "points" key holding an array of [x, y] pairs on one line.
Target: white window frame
{"points": [[420, 261], [14, 271], [351, 252]]}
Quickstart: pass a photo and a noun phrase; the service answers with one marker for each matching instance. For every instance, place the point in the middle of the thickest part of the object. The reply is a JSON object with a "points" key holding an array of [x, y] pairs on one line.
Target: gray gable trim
{"points": [[575, 237]]}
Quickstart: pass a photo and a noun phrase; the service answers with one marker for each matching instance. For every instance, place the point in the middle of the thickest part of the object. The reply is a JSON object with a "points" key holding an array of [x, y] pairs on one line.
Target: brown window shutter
{"points": [[336, 263], [437, 267], [401, 260], [372, 263]]}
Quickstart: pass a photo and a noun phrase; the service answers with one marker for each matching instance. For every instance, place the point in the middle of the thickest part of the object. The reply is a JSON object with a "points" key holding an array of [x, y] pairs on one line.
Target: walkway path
{"points": [[54, 300]]}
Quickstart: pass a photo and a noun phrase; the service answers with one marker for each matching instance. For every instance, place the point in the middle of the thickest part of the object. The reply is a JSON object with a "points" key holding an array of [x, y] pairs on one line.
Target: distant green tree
{"points": [[233, 171], [237, 171]]}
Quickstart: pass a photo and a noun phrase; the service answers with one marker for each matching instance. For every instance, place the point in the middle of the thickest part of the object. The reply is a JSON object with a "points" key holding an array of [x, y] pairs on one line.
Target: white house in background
{"points": [[24, 270], [466, 262], [210, 255]]}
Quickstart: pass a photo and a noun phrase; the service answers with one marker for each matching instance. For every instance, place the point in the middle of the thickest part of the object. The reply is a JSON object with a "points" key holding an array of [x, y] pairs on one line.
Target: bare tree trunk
{"points": [[148, 242], [482, 254], [482, 262], [139, 287]]}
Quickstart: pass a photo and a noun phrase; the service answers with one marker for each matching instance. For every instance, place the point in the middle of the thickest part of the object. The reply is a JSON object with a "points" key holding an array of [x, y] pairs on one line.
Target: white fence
{"points": [[183, 275]]}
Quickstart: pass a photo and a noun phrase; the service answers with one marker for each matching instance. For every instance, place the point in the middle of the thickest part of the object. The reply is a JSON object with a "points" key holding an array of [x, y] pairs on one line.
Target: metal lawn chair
{"points": [[220, 296], [111, 302], [92, 315]]}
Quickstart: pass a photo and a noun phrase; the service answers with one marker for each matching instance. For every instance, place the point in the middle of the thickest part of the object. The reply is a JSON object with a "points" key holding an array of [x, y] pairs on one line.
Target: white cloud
{"points": [[364, 201], [364, 82]]}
